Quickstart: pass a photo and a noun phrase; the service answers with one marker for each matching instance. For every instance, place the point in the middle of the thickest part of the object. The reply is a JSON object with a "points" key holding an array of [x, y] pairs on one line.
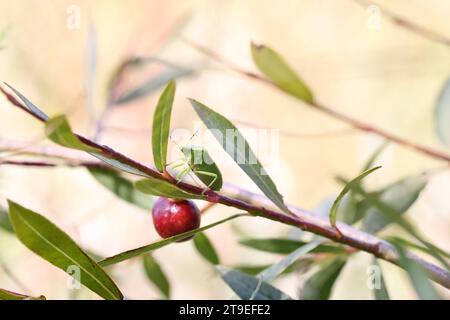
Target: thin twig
{"points": [[407, 24], [355, 123], [259, 205]]}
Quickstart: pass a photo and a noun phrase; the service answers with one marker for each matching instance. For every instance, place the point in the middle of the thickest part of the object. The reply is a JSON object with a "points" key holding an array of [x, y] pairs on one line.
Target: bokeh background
{"points": [[387, 76]]}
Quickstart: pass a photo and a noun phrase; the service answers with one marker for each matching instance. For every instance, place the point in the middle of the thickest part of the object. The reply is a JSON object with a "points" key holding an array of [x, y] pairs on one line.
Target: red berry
{"points": [[172, 217]]}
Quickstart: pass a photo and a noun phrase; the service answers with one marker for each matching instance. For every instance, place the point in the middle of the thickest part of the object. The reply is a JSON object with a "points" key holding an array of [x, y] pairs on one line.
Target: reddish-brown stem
{"points": [[408, 25], [262, 207], [357, 124]]}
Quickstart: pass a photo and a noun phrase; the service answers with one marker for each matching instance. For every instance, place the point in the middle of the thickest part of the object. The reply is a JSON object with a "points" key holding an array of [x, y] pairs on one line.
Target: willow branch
{"points": [[407, 24], [260, 206], [354, 123]]}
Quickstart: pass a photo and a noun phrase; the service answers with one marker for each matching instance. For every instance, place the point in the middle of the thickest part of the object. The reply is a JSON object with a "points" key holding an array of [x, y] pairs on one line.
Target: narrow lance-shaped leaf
{"points": [[442, 114], [205, 248], [156, 275], [278, 268], [30, 105], [153, 84], [399, 195], [347, 188], [9, 295], [162, 188], [320, 285], [153, 246], [423, 286], [49, 242], [237, 147], [122, 188], [161, 126], [379, 288], [59, 131], [410, 244], [245, 286], [5, 223], [204, 166], [394, 216], [285, 246], [271, 64]]}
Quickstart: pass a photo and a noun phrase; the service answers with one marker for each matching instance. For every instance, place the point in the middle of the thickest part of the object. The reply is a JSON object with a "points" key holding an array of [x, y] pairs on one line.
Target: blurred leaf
{"points": [[121, 187], [245, 286], [91, 69], [373, 158], [119, 165], [30, 105], [394, 216], [5, 223], [205, 248], [59, 131], [46, 240], [153, 84], [336, 203], [253, 270], [320, 285], [271, 64], [423, 286], [381, 293], [407, 243], [285, 246], [161, 126], [400, 196], [9, 295], [162, 188], [442, 114], [204, 166], [156, 245], [278, 268], [156, 275], [237, 147]]}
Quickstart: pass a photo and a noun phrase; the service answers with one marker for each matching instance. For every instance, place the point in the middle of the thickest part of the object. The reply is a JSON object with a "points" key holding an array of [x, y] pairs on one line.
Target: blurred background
{"points": [[63, 56]]}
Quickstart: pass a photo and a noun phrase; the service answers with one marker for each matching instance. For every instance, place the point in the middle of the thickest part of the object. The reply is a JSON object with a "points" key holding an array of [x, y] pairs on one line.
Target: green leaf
{"points": [[156, 275], [205, 248], [49, 242], [380, 293], [153, 84], [231, 141], [121, 187], [245, 286], [407, 243], [161, 126], [203, 166], [336, 203], [394, 216], [162, 188], [59, 131], [400, 196], [5, 223], [153, 246], [271, 64], [371, 161], [442, 114], [278, 268], [9, 295], [320, 285], [285, 246], [423, 286], [253, 270], [30, 105]]}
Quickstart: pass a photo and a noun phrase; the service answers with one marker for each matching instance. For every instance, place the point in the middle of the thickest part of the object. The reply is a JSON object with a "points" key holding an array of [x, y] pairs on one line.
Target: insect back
{"points": [[203, 166]]}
